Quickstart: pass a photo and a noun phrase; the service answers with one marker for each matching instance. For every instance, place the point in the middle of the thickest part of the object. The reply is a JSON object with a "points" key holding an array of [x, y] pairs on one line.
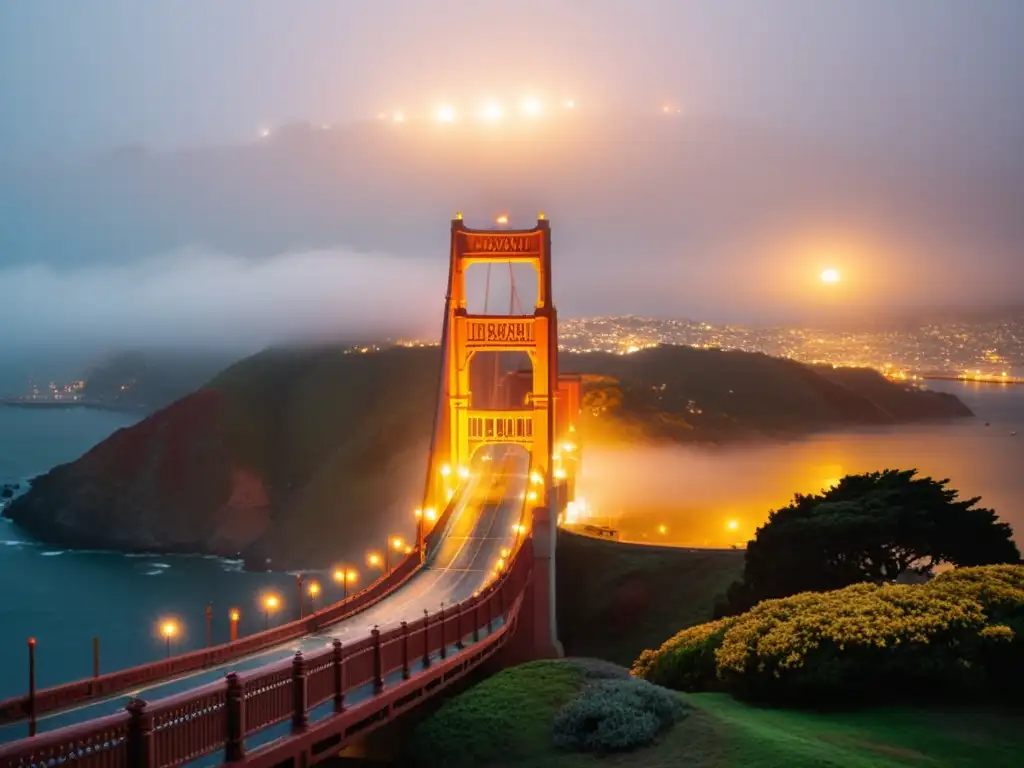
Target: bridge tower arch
{"points": [[546, 422]]}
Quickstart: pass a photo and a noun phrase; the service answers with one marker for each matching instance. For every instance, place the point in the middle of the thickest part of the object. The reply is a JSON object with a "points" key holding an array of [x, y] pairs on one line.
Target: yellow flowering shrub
{"points": [[962, 631], [685, 661]]}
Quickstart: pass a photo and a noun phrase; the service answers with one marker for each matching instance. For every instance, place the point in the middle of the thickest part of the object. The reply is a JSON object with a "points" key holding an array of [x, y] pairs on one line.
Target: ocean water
{"points": [[697, 496], [65, 598]]}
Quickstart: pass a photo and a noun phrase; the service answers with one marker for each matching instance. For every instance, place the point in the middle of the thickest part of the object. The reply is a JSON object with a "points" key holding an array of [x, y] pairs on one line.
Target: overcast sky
{"points": [[925, 86]]}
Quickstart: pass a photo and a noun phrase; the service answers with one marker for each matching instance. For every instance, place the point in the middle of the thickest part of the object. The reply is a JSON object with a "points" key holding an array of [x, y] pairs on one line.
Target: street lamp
{"points": [[169, 629], [270, 604], [397, 544], [345, 576], [234, 616], [374, 560], [314, 591]]}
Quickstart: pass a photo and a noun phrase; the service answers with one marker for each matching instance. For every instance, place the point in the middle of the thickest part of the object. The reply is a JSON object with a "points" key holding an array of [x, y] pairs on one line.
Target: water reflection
{"points": [[698, 496]]}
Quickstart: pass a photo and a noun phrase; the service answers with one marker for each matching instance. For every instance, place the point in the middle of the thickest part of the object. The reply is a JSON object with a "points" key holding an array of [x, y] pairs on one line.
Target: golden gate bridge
{"points": [[479, 583]]}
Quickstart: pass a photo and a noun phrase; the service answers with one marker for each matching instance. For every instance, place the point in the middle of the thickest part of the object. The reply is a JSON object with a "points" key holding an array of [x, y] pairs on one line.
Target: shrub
{"points": [[687, 660], [963, 632], [616, 715]]}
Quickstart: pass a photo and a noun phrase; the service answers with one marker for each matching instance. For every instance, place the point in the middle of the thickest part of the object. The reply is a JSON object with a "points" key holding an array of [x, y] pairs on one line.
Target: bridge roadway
{"points": [[479, 529]]}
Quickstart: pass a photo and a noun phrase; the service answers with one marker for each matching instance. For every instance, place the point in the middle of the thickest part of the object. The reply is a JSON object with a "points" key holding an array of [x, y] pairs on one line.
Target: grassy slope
{"points": [[616, 600], [506, 721]]}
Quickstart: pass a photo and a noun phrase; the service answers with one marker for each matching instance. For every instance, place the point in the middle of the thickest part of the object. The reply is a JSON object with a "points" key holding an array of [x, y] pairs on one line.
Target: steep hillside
{"points": [[309, 456]]}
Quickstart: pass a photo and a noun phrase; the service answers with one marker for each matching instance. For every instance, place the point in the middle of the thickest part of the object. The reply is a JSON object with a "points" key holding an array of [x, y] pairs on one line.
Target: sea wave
{"points": [[156, 572], [54, 553]]}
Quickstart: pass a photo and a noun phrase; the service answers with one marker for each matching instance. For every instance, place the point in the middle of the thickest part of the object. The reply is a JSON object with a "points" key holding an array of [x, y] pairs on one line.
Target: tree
{"points": [[872, 527]]}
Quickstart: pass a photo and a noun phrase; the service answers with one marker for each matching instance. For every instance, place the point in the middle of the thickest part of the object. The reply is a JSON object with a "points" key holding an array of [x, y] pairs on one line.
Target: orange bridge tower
{"points": [[544, 424]]}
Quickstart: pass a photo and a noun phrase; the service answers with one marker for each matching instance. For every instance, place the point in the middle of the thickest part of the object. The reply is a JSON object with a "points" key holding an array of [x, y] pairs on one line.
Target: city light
{"points": [[505, 552], [169, 629], [398, 543], [531, 107], [445, 470], [536, 478], [445, 114], [430, 513], [314, 589], [234, 615], [374, 560], [271, 602], [531, 496], [559, 474], [463, 472], [418, 513], [492, 111]]}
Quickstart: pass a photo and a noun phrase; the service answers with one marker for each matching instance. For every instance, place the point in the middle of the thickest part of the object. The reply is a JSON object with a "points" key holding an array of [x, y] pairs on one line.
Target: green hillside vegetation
{"points": [[616, 600], [510, 720], [709, 395]]}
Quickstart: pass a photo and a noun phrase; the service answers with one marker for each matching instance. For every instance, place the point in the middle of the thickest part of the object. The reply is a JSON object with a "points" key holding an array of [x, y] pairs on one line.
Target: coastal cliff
{"points": [[308, 457]]}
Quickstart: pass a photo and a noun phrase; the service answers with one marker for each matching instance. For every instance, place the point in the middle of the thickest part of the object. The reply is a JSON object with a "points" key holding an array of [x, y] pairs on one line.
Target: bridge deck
{"points": [[477, 533]]}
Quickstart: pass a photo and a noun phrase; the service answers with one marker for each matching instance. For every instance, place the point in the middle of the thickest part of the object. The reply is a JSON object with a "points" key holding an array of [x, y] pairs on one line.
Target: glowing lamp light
{"points": [[831, 276], [445, 470], [445, 114], [407, 550], [502, 220], [314, 589], [351, 576], [505, 552], [536, 478], [235, 615], [531, 107], [451, 494], [569, 447], [463, 472], [531, 496], [418, 513], [373, 560], [397, 543], [169, 629], [270, 602], [430, 513], [491, 111], [560, 474]]}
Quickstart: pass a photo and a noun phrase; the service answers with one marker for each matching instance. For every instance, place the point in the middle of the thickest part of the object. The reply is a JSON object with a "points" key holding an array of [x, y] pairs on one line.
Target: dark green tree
{"points": [[869, 528]]}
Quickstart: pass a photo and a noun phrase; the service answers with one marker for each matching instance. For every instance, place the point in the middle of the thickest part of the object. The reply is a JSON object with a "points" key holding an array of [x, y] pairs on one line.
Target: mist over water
{"points": [[718, 497]]}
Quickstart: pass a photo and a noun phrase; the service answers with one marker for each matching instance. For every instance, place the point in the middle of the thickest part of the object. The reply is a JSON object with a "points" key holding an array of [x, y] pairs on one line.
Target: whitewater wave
{"points": [[156, 572], [54, 553]]}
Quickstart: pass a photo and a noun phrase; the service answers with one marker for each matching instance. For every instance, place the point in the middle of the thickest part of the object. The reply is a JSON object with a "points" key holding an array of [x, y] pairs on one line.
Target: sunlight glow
{"points": [[445, 114]]}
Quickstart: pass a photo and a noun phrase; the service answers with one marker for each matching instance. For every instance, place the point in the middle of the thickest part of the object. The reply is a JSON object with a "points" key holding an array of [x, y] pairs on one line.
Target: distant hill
{"points": [[311, 456], [147, 380]]}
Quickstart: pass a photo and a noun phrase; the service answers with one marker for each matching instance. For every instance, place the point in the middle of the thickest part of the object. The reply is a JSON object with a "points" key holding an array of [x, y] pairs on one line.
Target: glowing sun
{"points": [[831, 276]]}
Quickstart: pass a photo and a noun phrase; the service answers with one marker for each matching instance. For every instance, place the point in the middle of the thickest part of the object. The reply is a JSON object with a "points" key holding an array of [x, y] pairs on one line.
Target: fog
{"points": [[209, 299], [698, 493]]}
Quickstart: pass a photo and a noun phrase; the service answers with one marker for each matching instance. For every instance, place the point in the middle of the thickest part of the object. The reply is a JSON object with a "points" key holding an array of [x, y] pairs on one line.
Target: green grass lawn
{"points": [[506, 721], [616, 600]]}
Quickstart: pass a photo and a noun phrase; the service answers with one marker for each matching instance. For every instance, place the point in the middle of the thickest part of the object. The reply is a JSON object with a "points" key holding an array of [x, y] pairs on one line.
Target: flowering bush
{"points": [[616, 715], [685, 661], [961, 632]]}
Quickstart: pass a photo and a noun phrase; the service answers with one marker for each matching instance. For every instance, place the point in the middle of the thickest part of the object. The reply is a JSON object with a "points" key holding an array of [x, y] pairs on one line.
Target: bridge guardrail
{"points": [[76, 692], [220, 716]]}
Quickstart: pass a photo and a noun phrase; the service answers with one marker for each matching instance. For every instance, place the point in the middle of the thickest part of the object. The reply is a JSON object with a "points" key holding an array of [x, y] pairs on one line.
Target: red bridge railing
{"points": [[419, 658], [70, 694]]}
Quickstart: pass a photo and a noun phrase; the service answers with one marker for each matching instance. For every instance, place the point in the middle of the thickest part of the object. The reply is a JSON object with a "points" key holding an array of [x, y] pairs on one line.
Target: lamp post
{"points": [[209, 624], [234, 616], [345, 576], [169, 629], [298, 583], [270, 603]]}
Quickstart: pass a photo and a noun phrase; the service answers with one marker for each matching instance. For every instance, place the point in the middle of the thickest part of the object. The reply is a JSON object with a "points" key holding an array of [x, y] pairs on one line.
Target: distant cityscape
{"points": [[986, 351], [991, 350]]}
